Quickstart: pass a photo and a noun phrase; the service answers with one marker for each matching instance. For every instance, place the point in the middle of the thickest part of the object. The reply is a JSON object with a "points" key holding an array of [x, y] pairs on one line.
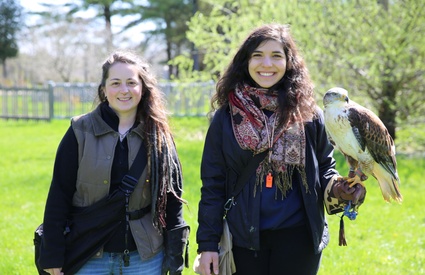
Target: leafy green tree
{"points": [[10, 22], [375, 50]]}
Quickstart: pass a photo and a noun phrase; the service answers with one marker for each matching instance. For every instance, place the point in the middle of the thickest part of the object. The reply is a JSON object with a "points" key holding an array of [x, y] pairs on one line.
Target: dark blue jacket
{"points": [[223, 160]]}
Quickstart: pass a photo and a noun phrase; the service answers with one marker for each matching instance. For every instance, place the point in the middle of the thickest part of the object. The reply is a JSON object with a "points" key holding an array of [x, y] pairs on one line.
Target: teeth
{"points": [[266, 74]]}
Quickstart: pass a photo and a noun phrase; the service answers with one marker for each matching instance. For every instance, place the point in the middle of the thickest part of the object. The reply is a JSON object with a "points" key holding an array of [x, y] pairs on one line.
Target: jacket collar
{"points": [[104, 120]]}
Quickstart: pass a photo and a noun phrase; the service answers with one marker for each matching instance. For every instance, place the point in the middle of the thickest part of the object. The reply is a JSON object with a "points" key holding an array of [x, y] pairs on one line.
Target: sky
{"points": [[35, 5], [135, 33]]}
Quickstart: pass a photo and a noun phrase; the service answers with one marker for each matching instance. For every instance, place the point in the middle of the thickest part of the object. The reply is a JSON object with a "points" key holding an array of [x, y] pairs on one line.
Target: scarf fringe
{"points": [[283, 180]]}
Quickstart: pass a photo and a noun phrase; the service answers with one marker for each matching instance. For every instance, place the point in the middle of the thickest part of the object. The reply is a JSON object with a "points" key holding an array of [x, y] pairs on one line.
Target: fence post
{"points": [[51, 100], [4, 101]]}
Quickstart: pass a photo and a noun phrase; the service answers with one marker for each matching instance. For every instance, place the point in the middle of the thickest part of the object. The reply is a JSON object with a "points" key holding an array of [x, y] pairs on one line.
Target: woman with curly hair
{"points": [[92, 162], [264, 104]]}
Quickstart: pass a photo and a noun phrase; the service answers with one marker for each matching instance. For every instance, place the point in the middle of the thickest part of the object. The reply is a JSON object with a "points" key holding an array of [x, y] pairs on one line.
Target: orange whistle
{"points": [[269, 180]]}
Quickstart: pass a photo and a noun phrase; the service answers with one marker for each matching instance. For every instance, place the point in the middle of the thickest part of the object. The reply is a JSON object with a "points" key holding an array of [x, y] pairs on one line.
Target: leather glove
{"points": [[344, 193], [176, 242]]}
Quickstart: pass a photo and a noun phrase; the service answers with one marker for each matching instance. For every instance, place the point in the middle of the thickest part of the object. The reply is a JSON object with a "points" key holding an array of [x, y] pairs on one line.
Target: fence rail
{"points": [[25, 103], [65, 100]]}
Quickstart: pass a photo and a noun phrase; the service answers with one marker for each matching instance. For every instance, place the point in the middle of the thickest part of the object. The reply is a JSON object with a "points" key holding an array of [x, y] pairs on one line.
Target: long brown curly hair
{"points": [[295, 89]]}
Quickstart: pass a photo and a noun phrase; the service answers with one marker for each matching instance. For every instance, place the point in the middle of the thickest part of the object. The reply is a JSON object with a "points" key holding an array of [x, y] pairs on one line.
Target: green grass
{"points": [[384, 239]]}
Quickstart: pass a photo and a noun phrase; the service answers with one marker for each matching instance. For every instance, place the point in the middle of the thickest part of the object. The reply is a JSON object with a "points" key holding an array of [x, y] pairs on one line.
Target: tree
{"points": [[10, 21], [105, 9], [374, 49], [170, 18], [217, 29], [61, 47]]}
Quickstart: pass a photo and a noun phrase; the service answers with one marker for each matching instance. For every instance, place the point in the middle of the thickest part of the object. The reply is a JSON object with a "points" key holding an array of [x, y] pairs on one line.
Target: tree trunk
{"points": [[169, 57], [109, 36], [3, 62], [387, 111], [387, 107], [195, 53], [384, 4], [169, 48]]}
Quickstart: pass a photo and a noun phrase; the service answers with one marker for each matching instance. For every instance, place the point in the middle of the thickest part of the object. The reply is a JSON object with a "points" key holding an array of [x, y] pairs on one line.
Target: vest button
{"points": [[105, 182], [108, 157]]}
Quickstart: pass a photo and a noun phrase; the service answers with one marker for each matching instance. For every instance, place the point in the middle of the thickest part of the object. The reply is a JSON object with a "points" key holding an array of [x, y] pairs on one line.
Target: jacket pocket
{"points": [[148, 239]]}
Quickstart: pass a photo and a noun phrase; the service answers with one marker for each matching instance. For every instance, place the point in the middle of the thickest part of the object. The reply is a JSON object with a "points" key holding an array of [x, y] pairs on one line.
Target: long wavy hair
{"points": [[164, 170], [295, 89]]}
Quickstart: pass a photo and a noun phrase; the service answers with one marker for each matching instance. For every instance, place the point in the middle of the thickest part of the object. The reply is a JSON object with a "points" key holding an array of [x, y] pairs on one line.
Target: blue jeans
{"points": [[111, 264]]}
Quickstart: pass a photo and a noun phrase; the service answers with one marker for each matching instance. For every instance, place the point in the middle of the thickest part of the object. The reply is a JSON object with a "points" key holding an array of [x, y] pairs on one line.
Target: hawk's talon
{"points": [[355, 180]]}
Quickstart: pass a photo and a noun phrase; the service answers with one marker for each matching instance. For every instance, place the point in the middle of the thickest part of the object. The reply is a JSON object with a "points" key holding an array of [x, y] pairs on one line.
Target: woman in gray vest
{"points": [[93, 158]]}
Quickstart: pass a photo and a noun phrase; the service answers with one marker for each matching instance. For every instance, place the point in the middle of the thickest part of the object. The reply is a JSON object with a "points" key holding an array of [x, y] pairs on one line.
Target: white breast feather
{"points": [[340, 131], [339, 128]]}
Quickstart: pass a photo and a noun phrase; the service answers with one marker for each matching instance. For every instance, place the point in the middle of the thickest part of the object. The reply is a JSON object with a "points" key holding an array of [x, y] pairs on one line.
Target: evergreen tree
{"points": [[10, 23]]}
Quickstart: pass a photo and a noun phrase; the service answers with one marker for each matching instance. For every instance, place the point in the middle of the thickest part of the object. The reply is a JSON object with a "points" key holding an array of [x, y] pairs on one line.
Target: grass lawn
{"points": [[384, 239]]}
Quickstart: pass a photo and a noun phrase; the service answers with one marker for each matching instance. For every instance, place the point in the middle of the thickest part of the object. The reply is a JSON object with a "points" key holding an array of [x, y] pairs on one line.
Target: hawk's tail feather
{"points": [[388, 183]]}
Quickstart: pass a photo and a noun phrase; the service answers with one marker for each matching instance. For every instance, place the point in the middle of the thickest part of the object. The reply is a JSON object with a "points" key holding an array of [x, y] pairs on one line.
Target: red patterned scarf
{"points": [[258, 132]]}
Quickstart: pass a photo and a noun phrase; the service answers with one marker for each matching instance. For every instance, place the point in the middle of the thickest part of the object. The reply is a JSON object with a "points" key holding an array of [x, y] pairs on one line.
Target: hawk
{"points": [[364, 140]]}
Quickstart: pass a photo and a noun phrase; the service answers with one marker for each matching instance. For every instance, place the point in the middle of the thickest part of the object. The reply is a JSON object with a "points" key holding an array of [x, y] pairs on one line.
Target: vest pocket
{"points": [[148, 240]]}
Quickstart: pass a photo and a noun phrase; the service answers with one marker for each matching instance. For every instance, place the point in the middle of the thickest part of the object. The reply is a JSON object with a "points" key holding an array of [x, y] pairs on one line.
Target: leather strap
{"points": [[138, 214], [247, 172], [129, 181]]}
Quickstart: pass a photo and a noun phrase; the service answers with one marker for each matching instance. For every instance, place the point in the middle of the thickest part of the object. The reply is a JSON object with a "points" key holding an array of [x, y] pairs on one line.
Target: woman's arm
{"points": [[213, 190], [59, 202]]}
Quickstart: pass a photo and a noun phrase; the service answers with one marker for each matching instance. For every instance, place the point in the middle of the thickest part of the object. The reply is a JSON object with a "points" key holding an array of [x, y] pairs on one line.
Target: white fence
{"points": [[65, 100]]}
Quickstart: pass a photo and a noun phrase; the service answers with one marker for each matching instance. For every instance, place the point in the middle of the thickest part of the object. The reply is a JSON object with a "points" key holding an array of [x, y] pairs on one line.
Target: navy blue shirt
{"points": [[277, 212]]}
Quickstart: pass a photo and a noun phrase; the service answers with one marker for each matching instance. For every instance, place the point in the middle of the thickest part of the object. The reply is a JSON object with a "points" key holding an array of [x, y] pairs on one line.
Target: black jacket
{"points": [[222, 162]]}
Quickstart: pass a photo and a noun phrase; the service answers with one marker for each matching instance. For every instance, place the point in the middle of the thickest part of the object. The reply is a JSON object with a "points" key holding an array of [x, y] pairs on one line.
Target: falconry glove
{"points": [[344, 193]]}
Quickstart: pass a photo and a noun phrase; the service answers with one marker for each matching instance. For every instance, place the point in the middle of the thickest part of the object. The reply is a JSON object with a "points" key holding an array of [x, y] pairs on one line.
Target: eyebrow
{"points": [[112, 79], [257, 51]]}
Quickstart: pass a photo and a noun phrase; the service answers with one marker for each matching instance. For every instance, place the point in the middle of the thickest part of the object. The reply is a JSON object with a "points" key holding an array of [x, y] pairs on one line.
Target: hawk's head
{"points": [[335, 95]]}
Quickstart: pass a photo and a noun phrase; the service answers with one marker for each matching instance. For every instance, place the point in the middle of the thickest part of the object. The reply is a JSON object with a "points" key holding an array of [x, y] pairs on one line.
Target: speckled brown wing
{"points": [[372, 134]]}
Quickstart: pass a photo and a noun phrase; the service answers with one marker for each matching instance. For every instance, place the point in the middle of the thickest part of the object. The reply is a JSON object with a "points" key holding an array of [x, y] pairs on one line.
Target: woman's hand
{"points": [[54, 271], [208, 263], [343, 192]]}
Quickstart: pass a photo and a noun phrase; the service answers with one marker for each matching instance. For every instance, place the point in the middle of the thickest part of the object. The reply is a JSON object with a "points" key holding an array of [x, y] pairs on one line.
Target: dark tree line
{"points": [[10, 24]]}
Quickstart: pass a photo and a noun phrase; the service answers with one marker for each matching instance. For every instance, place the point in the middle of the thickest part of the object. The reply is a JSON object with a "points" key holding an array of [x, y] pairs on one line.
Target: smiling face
{"points": [[123, 88], [267, 64]]}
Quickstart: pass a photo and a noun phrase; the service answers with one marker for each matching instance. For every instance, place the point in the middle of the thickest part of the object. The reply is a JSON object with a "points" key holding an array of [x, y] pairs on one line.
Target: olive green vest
{"points": [[96, 148]]}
